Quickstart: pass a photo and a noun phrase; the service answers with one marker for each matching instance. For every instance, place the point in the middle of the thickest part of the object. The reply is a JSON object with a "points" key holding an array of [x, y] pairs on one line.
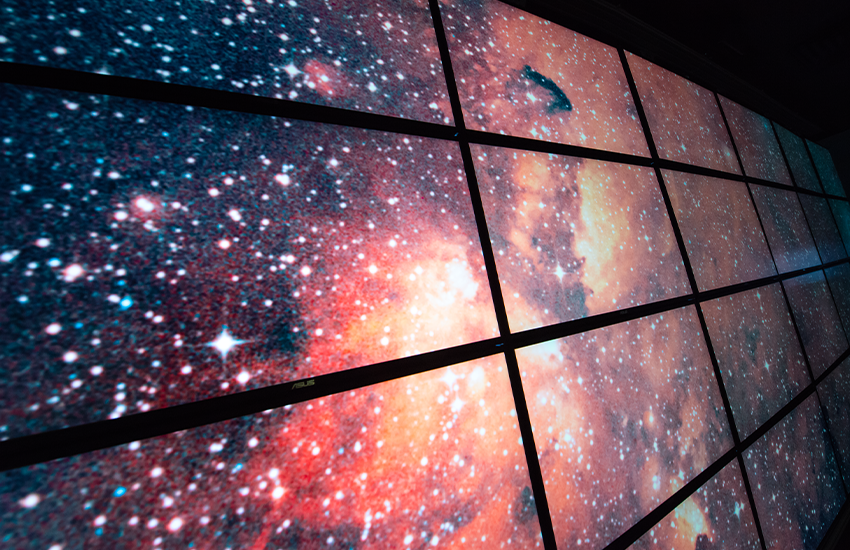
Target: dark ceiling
{"points": [[796, 53]]}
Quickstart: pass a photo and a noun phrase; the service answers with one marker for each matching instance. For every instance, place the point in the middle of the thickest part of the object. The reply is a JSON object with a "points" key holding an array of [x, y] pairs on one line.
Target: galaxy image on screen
{"points": [[561, 298]]}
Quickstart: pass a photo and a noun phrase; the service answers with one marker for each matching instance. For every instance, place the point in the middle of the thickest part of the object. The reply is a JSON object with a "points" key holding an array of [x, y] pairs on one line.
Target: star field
{"points": [[610, 333]]}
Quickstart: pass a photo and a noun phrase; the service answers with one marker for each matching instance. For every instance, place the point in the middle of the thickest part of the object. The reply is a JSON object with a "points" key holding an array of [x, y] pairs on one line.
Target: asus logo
{"points": [[303, 384]]}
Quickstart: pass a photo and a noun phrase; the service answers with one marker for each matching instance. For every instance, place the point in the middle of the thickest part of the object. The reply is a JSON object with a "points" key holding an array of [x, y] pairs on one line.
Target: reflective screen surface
{"points": [[623, 417], [786, 228], [798, 159], [431, 459], [795, 479], [817, 319], [756, 142], [839, 282], [375, 57], [163, 263], [575, 237], [686, 122], [720, 229], [413, 275], [718, 513], [758, 352], [521, 75], [841, 212], [823, 227], [834, 394], [826, 170]]}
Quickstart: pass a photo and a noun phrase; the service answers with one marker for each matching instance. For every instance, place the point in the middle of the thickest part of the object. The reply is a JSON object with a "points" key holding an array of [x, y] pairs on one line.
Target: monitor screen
{"points": [[798, 159], [158, 254], [823, 228], [522, 75], [575, 237], [684, 118], [834, 394], [839, 283], [795, 480], [759, 355], [719, 512], [720, 229], [499, 285], [787, 231], [756, 142], [623, 417], [363, 56], [433, 459], [817, 319], [841, 212], [826, 169]]}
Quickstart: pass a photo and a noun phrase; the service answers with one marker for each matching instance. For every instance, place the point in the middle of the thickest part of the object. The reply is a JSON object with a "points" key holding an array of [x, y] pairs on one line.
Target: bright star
{"points": [[450, 378], [457, 405], [224, 342], [559, 272]]}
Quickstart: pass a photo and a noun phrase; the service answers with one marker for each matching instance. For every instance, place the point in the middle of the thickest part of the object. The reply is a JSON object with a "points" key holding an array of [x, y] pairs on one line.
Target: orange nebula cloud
{"points": [[491, 44], [575, 237], [623, 417]]}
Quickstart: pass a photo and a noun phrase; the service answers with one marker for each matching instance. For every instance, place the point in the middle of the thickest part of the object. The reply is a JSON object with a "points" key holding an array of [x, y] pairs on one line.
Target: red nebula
{"points": [[329, 82]]}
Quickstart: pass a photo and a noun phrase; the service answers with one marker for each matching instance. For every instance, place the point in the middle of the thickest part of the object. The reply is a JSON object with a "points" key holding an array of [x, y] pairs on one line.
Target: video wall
{"points": [[503, 285]]}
